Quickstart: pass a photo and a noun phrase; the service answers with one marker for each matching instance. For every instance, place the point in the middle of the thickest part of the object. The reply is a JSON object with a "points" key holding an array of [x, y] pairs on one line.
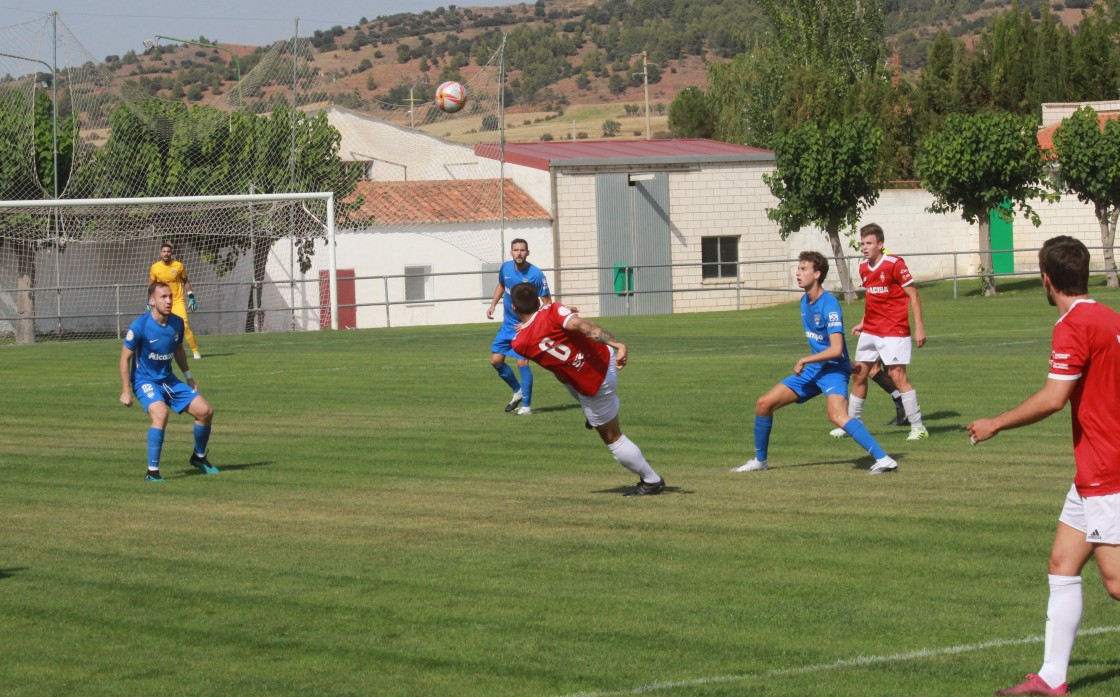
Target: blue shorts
{"points": [[830, 380], [173, 392], [503, 342]]}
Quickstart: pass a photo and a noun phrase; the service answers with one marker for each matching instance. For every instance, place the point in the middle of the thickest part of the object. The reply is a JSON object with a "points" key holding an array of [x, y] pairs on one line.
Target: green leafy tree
{"points": [[690, 115], [30, 133], [826, 176], [1089, 166], [978, 163], [611, 128], [743, 95]]}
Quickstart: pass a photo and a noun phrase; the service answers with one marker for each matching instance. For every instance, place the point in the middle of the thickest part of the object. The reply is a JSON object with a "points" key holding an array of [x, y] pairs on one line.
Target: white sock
{"points": [[913, 411], [1063, 617], [855, 406], [630, 456]]}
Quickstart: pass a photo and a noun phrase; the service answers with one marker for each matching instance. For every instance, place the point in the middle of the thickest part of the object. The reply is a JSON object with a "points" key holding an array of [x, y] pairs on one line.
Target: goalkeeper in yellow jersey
{"points": [[174, 274]]}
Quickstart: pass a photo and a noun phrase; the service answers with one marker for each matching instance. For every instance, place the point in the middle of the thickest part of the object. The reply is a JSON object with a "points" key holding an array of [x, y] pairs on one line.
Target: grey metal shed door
{"points": [[634, 255]]}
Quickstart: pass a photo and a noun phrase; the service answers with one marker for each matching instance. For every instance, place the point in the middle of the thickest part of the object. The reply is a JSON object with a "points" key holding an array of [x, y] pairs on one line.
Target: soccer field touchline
{"points": [[857, 662]]}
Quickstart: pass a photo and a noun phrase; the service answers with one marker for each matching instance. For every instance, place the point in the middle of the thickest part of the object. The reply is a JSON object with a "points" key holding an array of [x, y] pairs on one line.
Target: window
{"points": [[489, 278], [720, 256], [417, 283]]}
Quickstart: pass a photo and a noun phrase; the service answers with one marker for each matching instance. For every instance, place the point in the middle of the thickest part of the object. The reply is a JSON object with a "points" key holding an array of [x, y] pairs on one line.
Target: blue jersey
{"points": [[509, 276], [153, 348], [820, 319]]}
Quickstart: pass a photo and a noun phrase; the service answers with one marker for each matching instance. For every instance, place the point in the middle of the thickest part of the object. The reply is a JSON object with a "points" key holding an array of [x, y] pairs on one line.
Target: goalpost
{"points": [[79, 268]]}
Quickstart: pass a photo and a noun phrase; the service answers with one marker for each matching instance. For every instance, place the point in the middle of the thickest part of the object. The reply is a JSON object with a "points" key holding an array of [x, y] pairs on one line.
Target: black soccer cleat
{"points": [[515, 402], [647, 488], [153, 476], [900, 418], [203, 464]]}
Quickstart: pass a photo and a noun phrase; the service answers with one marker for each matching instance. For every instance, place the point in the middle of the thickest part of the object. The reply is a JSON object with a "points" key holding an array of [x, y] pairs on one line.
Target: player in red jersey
{"points": [[884, 333], [586, 358], [1084, 371]]}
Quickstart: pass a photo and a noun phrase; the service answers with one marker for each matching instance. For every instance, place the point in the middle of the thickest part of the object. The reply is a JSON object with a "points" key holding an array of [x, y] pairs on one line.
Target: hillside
{"points": [[560, 53]]}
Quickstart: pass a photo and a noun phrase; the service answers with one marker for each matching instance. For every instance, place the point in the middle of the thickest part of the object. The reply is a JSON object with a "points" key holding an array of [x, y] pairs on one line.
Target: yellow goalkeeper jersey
{"points": [[174, 275]]}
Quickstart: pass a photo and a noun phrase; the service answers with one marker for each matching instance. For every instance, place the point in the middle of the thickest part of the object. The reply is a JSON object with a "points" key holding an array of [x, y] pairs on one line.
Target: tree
{"points": [[20, 180], [1089, 166], [690, 116], [979, 163], [825, 176], [743, 96], [611, 128]]}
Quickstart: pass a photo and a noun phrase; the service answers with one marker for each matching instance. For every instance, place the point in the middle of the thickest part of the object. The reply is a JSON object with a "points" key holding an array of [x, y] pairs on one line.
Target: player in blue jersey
{"points": [[826, 370], [518, 270], [153, 340]]}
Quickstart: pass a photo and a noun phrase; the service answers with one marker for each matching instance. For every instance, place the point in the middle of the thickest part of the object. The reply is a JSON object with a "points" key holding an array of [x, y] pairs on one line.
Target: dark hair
{"points": [[155, 284], [871, 229], [1065, 261], [818, 261], [525, 298], [518, 240], [168, 245]]}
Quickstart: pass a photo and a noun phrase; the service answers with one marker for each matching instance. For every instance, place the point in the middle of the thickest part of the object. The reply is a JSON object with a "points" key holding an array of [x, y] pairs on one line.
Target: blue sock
{"points": [[526, 385], [201, 438], [506, 373], [155, 446], [762, 427], [861, 435]]}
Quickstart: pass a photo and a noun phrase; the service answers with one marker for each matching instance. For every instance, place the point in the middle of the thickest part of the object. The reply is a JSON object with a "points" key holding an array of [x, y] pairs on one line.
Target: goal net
{"points": [[76, 269]]}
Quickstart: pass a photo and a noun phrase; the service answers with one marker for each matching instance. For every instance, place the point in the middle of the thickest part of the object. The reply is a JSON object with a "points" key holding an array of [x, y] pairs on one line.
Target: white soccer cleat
{"points": [[884, 465], [524, 411], [918, 433], [197, 356], [752, 465], [838, 433]]}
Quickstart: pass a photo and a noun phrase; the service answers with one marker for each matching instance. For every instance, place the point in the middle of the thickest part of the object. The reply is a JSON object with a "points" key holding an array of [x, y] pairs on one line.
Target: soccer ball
{"points": [[451, 96]]}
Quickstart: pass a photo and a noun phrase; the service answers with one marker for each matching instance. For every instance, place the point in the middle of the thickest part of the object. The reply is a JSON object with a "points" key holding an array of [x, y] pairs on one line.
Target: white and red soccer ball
{"points": [[451, 96]]}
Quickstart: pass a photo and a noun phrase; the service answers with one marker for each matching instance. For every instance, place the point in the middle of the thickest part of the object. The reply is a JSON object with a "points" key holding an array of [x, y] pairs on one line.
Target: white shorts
{"points": [[1096, 516], [602, 406], [894, 350]]}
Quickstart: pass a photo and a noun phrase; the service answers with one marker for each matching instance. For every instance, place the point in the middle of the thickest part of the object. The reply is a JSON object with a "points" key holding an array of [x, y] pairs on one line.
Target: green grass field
{"points": [[381, 527]]}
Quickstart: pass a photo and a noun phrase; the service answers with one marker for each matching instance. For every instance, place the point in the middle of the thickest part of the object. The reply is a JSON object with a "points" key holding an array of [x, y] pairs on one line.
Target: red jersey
{"points": [[572, 356], [1086, 348], [887, 310]]}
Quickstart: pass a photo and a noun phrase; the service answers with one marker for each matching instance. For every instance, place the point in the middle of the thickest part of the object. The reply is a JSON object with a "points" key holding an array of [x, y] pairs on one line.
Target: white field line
{"points": [[857, 662]]}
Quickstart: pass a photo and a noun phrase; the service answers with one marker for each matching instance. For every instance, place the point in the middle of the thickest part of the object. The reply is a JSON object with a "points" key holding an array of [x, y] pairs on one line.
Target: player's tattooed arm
{"points": [[595, 332]]}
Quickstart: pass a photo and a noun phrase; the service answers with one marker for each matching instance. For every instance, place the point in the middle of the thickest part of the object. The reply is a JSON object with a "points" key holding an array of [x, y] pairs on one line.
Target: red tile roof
{"points": [[445, 201], [1046, 135], [543, 154]]}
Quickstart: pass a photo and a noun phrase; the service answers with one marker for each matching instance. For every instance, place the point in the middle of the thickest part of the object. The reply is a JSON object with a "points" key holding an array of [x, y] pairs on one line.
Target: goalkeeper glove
{"points": [[192, 305]]}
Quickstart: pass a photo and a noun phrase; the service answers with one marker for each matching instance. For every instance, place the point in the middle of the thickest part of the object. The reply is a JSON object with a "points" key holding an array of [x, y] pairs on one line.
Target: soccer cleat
{"points": [[1035, 685], [153, 476], [587, 425], [524, 411], [883, 465], [838, 433], [647, 488], [203, 464], [900, 418], [752, 465], [515, 402], [918, 433], [197, 356]]}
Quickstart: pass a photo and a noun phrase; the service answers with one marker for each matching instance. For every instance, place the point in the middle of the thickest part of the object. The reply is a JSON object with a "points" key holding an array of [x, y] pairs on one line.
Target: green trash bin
{"points": [[623, 279]]}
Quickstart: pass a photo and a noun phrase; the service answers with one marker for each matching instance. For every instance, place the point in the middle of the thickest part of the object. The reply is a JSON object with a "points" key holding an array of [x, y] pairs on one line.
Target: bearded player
{"points": [[586, 358], [174, 274]]}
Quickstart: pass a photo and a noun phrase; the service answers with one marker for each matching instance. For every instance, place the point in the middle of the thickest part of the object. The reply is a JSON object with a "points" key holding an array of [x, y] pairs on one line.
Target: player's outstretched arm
{"points": [[126, 376], [1050, 399], [597, 333]]}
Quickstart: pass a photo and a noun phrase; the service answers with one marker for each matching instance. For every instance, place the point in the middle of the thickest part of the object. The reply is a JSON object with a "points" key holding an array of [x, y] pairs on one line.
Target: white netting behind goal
{"points": [[83, 271]]}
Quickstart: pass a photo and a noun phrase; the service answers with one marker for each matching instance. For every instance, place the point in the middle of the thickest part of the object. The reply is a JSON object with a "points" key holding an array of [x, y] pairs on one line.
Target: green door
{"points": [[1003, 240]]}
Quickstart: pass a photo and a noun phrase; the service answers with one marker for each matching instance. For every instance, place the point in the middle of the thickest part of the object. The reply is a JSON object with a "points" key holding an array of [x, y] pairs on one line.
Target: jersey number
{"points": [[559, 350]]}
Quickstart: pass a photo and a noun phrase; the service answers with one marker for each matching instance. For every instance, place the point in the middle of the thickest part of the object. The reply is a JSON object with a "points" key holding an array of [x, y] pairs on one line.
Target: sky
{"points": [[113, 27]]}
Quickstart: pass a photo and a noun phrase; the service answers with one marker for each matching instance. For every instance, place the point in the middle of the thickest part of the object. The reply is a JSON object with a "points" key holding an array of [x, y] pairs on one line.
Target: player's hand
{"points": [[126, 398], [620, 356], [981, 430], [920, 337], [192, 304], [799, 366], [490, 312], [858, 329]]}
